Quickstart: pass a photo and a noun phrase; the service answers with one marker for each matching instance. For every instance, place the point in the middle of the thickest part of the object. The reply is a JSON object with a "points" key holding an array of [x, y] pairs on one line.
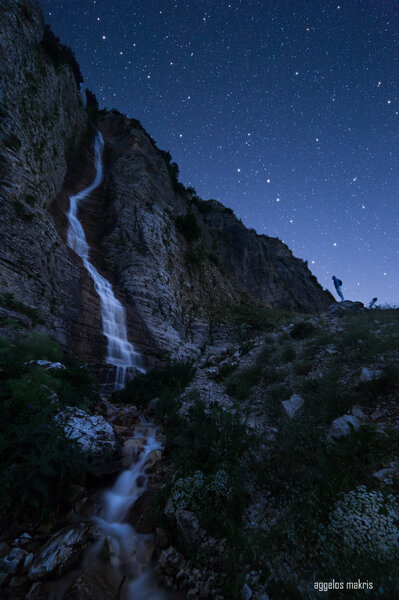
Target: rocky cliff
{"points": [[177, 262]]}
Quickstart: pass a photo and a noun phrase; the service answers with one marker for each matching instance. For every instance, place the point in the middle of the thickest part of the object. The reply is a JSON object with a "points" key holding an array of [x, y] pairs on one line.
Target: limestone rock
{"points": [[140, 514], [369, 374], [62, 552], [152, 460], [14, 561], [92, 432], [347, 306], [189, 529], [388, 475], [343, 426], [292, 405], [246, 592]]}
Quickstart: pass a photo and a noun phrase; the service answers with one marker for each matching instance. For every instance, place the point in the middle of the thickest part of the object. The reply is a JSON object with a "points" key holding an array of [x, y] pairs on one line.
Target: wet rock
{"points": [[62, 552], [153, 459], [161, 538], [343, 426], [13, 561], [92, 432], [94, 585], [85, 508], [131, 450], [140, 514], [292, 405], [37, 592], [188, 528]]}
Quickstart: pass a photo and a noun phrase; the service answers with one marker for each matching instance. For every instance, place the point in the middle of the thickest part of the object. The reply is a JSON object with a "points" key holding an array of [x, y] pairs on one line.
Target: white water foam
{"points": [[120, 352], [131, 551]]}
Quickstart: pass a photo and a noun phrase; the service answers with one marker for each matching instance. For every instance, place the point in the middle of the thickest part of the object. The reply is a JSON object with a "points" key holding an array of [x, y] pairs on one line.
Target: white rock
{"points": [[246, 592], [13, 562], [386, 475], [357, 412], [369, 374], [92, 432], [62, 552], [292, 405], [343, 426]]}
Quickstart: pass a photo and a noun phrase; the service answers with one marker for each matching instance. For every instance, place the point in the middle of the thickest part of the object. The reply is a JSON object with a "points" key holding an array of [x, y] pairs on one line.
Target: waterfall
{"points": [[120, 351]]}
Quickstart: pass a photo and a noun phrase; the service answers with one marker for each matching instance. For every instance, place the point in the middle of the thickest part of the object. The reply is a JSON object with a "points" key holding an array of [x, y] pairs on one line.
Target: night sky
{"points": [[287, 111]]}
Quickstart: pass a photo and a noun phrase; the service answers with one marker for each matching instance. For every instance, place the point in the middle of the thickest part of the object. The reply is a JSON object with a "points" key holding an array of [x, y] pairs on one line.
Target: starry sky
{"points": [[287, 111]]}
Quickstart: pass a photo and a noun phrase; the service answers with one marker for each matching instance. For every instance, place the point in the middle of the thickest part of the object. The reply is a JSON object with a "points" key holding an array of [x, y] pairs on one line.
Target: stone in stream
{"points": [[13, 561], [62, 551], [140, 514]]}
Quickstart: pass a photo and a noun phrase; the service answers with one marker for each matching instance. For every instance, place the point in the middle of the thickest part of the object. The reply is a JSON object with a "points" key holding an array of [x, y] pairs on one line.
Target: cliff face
{"points": [[176, 262], [42, 125], [182, 261]]}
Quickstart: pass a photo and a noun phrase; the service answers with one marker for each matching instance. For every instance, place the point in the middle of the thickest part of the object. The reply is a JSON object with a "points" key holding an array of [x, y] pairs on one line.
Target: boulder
{"points": [[369, 374], [92, 432], [246, 592], [346, 306], [94, 585], [62, 552], [189, 529], [140, 514], [292, 405], [13, 561], [153, 459], [343, 426], [387, 475], [131, 450]]}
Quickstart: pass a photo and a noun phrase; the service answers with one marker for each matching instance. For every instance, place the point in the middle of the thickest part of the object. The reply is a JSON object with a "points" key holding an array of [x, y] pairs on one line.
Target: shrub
{"points": [[303, 329], [189, 227], [365, 521], [240, 384], [38, 464], [60, 54], [172, 379]]}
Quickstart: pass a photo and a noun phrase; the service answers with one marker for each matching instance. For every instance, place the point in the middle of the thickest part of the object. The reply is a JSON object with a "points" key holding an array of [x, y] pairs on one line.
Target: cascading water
{"points": [[120, 351], [129, 553]]}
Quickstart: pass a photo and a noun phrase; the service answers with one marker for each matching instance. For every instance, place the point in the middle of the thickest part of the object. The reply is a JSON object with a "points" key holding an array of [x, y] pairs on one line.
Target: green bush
{"points": [[38, 464], [303, 329], [207, 446], [189, 227], [171, 379], [240, 384]]}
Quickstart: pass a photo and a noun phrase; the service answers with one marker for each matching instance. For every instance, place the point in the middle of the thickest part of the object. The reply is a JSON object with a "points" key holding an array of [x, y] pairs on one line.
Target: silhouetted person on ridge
{"points": [[372, 303], [337, 284]]}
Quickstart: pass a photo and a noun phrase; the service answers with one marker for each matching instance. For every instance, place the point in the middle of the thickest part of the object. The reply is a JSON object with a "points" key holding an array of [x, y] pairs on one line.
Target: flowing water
{"points": [[120, 555], [120, 351], [129, 552]]}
